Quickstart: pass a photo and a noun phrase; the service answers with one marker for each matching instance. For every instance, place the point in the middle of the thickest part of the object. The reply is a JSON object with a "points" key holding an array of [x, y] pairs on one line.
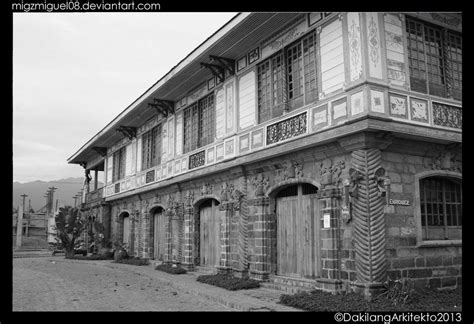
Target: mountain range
{"points": [[36, 190]]}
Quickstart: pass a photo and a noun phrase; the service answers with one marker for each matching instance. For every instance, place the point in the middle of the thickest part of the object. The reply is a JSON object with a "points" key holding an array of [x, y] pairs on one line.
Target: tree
{"points": [[69, 227]]}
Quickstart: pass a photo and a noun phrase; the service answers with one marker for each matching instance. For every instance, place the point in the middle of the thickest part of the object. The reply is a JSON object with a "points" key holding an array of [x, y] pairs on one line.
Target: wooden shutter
{"points": [[220, 113], [110, 163], [128, 160], [179, 133], [246, 101], [171, 137], [164, 142]]}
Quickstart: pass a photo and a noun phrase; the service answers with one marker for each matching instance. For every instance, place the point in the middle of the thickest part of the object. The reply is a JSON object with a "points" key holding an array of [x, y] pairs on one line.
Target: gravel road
{"points": [[57, 284]]}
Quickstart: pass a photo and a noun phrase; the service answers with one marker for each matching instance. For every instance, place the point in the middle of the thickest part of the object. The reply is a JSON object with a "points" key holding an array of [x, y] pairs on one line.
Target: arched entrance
{"points": [[126, 229], [297, 217], [159, 233], [209, 233]]}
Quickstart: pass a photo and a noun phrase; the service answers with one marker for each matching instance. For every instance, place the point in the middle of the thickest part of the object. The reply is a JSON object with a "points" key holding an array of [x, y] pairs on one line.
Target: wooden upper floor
{"points": [[268, 78]]}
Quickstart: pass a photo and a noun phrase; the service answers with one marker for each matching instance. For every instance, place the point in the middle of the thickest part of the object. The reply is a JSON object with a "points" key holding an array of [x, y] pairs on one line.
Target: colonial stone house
{"points": [[313, 149]]}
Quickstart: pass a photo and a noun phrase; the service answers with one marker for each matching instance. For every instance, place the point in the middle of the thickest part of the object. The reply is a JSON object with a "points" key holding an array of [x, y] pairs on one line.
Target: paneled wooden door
{"points": [[209, 231], [159, 235], [126, 231], [298, 232]]}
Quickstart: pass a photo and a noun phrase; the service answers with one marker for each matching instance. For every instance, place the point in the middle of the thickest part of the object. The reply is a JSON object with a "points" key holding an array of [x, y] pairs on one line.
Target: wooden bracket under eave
{"points": [[216, 70], [128, 131]]}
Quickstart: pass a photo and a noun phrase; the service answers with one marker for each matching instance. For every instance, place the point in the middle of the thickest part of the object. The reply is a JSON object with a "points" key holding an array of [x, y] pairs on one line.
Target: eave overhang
{"points": [[242, 32]]}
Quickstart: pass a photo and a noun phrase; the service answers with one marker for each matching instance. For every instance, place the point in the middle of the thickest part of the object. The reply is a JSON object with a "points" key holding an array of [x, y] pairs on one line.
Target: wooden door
{"points": [[210, 245], [159, 235], [297, 234], [126, 231]]}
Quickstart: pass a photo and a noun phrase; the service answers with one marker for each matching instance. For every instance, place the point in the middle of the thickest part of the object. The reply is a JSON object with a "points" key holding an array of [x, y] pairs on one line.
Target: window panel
{"points": [[118, 171], [287, 78], [441, 207], [198, 124], [437, 52]]}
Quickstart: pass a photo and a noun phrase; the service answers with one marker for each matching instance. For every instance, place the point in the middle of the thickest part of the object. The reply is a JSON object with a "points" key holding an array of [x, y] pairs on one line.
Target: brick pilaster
{"points": [[227, 209], [147, 236], [260, 237], [188, 261], [167, 258], [330, 229]]}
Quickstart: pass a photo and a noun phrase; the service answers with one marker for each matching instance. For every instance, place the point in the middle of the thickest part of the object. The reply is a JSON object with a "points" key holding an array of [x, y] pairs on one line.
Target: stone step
{"points": [[290, 285], [286, 288], [294, 282], [204, 270]]}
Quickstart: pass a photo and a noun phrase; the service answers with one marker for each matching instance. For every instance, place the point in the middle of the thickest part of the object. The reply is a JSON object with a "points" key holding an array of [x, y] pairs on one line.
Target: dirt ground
{"points": [[57, 284]]}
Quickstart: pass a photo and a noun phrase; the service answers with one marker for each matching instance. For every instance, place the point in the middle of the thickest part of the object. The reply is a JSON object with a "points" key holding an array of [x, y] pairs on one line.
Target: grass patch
{"points": [[228, 281], [426, 300], [92, 257], [134, 261], [170, 269]]}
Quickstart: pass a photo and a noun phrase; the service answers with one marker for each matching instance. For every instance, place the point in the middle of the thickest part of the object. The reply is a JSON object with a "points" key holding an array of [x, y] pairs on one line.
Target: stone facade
{"points": [[248, 223]]}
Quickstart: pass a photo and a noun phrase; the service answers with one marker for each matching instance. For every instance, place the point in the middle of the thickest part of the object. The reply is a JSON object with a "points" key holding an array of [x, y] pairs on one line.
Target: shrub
{"points": [[133, 261], [228, 281], [92, 257], [170, 269], [432, 300]]}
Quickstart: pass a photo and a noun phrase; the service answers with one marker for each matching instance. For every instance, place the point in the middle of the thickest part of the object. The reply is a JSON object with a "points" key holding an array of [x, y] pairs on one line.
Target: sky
{"points": [[74, 72]]}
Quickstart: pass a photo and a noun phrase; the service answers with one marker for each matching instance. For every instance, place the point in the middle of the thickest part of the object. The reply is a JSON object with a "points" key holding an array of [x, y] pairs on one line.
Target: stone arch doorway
{"points": [[208, 243], [158, 239], [297, 231], [125, 229]]}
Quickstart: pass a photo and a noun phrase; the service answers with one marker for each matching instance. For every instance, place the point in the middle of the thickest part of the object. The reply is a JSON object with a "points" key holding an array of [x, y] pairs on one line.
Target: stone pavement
{"points": [[260, 299], [95, 288]]}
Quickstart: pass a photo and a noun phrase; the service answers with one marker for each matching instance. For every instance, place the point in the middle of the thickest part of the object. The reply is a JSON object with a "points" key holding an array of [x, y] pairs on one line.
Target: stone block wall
{"points": [[408, 257]]}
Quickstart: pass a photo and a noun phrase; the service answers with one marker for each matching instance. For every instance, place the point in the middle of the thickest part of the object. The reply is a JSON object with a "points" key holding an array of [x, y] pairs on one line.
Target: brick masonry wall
{"points": [[425, 266]]}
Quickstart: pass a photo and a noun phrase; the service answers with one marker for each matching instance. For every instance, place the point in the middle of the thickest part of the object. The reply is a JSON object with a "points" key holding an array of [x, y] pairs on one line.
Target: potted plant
{"points": [[120, 251]]}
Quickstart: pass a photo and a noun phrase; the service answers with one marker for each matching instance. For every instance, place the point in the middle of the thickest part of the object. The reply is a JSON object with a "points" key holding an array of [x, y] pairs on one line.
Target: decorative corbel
{"points": [[102, 151], [260, 183], [189, 198], [215, 69], [165, 107], [226, 191], [355, 177], [237, 196], [383, 183], [128, 131], [227, 63]]}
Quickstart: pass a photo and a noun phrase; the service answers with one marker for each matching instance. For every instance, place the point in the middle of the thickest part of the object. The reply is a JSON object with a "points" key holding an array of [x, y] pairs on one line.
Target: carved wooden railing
{"points": [[94, 196]]}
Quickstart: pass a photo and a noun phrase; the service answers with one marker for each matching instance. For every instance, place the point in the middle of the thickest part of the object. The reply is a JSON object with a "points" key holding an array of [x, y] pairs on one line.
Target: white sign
{"points": [[327, 220]]}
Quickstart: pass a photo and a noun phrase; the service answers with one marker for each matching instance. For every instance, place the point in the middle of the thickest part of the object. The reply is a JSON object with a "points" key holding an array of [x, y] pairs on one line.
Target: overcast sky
{"points": [[74, 72]]}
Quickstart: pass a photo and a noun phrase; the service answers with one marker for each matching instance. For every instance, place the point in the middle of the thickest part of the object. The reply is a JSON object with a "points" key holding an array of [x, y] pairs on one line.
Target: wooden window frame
{"points": [[152, 147], [433, 69], [422, 239], [118, 167], [291, 84], [199, 124]]}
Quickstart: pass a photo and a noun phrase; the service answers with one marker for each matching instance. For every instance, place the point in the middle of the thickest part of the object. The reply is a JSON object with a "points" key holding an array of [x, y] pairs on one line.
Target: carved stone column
{"points": [[369, 221]]}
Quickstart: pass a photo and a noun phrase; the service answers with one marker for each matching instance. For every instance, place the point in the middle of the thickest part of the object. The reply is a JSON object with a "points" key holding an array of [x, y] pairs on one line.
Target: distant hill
{"points": [[36, 190]]}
